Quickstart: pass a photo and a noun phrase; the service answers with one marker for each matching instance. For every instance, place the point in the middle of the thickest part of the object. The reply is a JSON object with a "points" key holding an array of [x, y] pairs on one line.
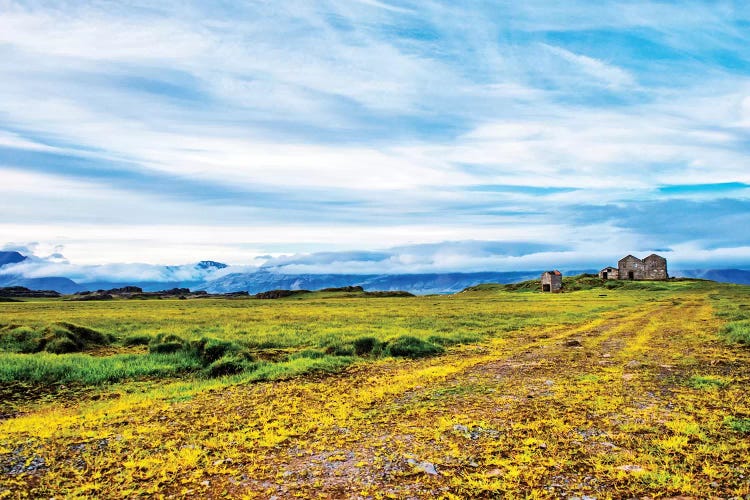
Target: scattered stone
{"points": [[426, 467], [493, 473], [475, 432], [549, 382], [573, 343], [591, 433], [606, 355], [628, 376], [633, 364], [19, 463], [631, 468]]}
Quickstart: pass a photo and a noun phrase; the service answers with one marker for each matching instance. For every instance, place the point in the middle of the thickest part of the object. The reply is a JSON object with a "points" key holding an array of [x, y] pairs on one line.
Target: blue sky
{"points": [[446, 135]]}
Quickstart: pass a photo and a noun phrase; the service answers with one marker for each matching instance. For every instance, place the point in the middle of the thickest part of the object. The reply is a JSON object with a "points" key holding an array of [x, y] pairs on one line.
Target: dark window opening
{"points": [[546, 288], [604, 275], [631, 275]]}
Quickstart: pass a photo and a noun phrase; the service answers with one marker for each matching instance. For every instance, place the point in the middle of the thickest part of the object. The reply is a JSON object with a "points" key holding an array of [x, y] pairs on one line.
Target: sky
{"points": [[376, 135]]}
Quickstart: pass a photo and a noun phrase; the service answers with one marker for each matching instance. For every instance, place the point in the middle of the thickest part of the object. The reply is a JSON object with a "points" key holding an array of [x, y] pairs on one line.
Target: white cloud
{"points": [[744, 120], [384, 5], [607, 74]]}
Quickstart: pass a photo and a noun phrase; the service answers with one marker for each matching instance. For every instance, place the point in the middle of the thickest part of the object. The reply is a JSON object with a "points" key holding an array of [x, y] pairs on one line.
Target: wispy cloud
{"points": [[609, 75]]}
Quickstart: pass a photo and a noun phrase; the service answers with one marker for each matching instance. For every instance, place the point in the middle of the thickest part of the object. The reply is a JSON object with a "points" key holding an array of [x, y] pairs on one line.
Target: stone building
{"points": [[656, 267], [631, 268], [552, 281], [609, 273], [653, 267]]}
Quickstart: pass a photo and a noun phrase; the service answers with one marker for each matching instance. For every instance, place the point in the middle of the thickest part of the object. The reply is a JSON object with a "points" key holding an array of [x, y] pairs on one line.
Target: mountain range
{"points": [[217, 277]]}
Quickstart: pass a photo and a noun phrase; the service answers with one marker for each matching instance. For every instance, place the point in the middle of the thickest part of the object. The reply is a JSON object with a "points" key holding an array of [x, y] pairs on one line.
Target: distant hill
{"points": [[56, 283], [202, 276], [738, 276], [147, 286], [414, 283], [195, 276]]}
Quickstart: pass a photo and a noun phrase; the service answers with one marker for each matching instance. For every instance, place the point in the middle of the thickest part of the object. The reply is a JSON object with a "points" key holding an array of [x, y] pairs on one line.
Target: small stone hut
{"points": [[552, 281], [609, 273], [653, 267]]}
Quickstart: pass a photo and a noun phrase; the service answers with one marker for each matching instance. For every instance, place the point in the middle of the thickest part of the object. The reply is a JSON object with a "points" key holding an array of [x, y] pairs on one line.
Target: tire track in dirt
{"points": [[525, 360], [526, 377]]}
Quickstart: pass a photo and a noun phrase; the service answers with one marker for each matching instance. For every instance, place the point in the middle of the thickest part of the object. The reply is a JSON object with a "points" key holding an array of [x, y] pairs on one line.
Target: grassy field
{"points": [[493, 392]]}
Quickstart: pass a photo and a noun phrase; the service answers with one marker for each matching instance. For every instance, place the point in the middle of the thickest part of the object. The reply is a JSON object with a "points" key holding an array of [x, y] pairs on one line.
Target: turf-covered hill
{"points": [[327, 293], [56, 338], [580, 282]]}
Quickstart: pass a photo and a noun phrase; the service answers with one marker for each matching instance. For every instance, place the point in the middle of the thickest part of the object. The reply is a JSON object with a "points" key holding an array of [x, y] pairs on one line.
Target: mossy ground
{"points": [[635, 393]]}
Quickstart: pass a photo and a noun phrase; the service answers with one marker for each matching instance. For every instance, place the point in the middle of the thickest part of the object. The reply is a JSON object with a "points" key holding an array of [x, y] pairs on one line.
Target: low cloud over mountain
{"points": [[427, 268]]}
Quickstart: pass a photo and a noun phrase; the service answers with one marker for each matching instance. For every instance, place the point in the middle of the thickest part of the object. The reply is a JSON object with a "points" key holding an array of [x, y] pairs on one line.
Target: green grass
{"points": [[214, 337], [738, 332], [706, 382], [57, 338], [732, 304], [738, 424], [46, 368], [412, 347]]}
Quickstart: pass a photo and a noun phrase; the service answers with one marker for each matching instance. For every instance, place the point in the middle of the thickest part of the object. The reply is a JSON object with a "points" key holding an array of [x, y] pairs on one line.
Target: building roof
{"points": [[653, 256], [555, 272], [630, 257]]}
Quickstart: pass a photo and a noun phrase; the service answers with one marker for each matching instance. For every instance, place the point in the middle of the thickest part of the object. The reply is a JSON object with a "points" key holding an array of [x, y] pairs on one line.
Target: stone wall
{"points": [[631, 268], [652, 267], [656, 267], [609, 273], [551, 282]]}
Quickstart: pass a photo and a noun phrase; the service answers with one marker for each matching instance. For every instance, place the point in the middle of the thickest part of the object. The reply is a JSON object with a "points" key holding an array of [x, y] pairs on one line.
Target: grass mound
{"points": [[216, 357], [365, 345], [230, 365], [307, 353], [57, 338], [412, 347], [738, 332], [165, 347], [133, 340]]}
